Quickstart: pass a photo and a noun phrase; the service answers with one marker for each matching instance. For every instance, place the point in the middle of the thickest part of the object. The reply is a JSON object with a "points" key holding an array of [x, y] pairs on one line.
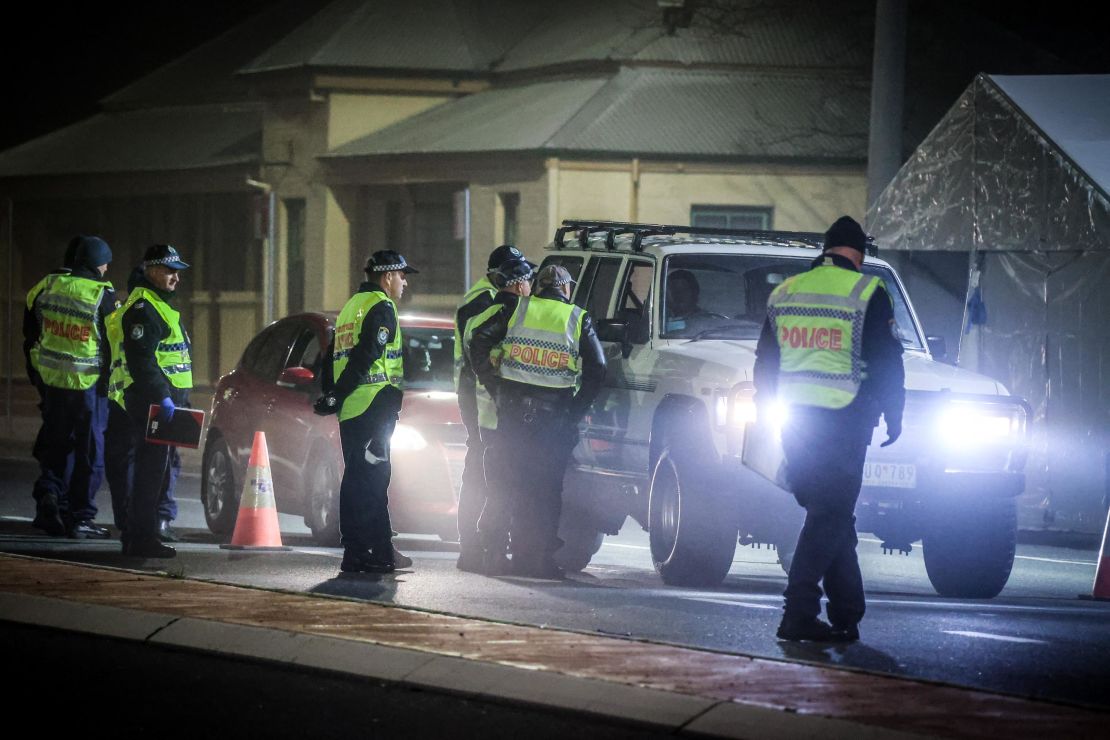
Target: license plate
{"points": [[890, 475]]}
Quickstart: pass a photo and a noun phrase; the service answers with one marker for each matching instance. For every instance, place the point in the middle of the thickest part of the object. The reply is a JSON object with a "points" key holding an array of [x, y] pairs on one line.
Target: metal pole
{"points": [[466, 239], [271, 257], [888, 76], [11, 320]]}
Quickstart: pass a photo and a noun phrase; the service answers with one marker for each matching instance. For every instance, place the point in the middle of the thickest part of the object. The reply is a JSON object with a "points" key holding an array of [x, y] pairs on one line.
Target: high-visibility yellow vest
{"points": [[818, 321], [67, 353], [172, 353], [482, 286], [541, 345], [487, 409], [388, 369]]}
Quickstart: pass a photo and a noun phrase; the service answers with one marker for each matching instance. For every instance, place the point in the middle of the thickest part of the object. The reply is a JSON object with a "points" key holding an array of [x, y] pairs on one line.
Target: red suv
{"points": [[272, 390]]}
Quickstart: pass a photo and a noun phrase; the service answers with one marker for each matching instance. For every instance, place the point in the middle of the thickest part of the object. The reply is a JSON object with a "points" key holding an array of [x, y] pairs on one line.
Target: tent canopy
{"points": [[1019, 163]]}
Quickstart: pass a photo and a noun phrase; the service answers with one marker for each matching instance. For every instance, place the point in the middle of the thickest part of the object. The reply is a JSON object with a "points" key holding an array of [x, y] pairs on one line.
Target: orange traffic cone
{"points": [[1101, 590], [256, 527]]}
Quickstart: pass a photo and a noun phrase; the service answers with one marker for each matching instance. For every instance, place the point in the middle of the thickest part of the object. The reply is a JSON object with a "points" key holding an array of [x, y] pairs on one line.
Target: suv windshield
{"points": [[724, 296]]}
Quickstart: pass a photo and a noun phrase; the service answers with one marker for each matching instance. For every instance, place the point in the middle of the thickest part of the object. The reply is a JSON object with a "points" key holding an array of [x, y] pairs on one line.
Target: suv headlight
{"points": [[736, 408], [407, 439], [962, 424]]}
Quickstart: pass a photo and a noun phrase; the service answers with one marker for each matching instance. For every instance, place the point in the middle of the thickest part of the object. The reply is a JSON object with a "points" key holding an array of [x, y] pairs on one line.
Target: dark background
{"points": [[58, 61]]}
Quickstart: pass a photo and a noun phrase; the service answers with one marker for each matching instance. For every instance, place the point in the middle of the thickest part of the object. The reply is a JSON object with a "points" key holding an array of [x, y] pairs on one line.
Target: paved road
{"points": [[1036, 639]]}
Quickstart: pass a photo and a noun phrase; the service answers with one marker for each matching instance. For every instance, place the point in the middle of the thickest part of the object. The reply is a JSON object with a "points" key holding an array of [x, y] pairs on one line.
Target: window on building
{"points": [[510, 217], [756, 218], [294, 253]]}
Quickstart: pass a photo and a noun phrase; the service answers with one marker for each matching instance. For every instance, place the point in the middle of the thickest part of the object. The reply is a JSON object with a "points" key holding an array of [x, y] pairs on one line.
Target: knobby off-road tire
{"points": [[580, 543]]}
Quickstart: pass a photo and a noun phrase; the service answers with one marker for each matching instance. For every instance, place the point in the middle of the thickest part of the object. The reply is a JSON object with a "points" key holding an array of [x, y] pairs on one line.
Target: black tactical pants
{"points": [[824, 455], [525, 465], [472, 494], [119, 468], [70, 450], [363, 501]]}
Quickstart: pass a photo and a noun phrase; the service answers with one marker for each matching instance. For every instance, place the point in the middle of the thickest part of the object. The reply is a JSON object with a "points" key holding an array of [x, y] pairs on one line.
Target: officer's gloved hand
{"points": [[326, 405], [165, 414], [893, 432]]}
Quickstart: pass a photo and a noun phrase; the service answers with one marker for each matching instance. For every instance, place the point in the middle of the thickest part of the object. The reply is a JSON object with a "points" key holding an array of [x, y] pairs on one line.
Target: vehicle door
{"points": [[621, 421], [271, 360], [295, 426], [594, 293]]}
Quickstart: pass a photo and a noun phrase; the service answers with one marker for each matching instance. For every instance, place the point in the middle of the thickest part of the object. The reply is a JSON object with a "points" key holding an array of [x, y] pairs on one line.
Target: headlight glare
{"points": [[407, 439], [961, 425]]}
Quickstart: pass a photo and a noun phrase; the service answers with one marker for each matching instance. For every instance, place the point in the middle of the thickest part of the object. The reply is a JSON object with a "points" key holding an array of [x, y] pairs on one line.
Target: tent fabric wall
{"points": [[1035, 224]]}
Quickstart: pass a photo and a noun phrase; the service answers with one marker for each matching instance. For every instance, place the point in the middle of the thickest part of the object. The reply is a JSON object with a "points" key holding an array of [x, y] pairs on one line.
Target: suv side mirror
{"points": [[937, 347], [615, 330], [295, 377]]}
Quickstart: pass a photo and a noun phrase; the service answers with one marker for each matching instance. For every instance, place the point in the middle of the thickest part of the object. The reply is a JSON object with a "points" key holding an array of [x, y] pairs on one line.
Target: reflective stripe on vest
{"points": [[480, 287], [172, 354], [487, 409], [67, 353], [541, 345], [388, 369], [818, 318]]}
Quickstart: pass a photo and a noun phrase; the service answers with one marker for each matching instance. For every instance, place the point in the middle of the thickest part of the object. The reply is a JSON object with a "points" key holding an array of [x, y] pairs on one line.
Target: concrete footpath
{"points": [[681, 690]]}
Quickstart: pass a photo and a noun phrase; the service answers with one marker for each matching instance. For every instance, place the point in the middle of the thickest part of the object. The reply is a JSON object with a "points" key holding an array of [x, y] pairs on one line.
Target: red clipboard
{"points": [[182, 431]]}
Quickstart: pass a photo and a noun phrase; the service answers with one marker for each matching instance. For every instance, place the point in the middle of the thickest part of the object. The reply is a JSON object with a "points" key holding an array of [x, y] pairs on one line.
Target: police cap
{"points": [[505, 253], [553, 276], [163, 254], [512, 272], [386, 260]]}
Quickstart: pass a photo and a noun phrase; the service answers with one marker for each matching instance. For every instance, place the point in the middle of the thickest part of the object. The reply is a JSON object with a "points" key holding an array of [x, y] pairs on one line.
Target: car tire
{"points": [[691, 527], [580, 544], [322, 501], [969, 550], [219, 495]]}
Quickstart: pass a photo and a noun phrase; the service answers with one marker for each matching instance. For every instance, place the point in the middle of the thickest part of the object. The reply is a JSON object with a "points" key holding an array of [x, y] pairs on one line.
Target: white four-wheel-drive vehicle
{"points": [[662, 443]]}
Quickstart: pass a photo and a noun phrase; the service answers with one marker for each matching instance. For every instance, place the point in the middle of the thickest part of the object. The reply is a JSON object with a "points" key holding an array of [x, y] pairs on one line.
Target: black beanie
{"points": [[92, 252], [846, 232]]}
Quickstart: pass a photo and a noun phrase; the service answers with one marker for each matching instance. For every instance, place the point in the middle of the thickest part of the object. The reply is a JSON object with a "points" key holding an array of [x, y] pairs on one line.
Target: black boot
{"points": [[363, 561], [48, 517], [148, 549], [796, 629], [165, 531]]}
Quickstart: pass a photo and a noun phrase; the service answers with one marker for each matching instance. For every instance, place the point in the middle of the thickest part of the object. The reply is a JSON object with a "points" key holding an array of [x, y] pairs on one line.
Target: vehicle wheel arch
{"points": [[678, 411]]}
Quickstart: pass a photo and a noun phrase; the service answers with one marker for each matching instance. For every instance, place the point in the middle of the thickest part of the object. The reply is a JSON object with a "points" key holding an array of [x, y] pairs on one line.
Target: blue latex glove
{"points": [[166, 414]]}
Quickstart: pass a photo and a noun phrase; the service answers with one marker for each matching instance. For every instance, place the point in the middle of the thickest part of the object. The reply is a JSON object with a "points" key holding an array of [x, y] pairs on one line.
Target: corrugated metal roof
{"points": [[448, 35], [1073, 111], [802, 33], [163, 139], [646, 112], [509, 35]]}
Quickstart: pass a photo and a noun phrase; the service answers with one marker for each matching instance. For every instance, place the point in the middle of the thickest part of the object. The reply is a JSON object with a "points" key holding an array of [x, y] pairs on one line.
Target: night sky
{"points": [[59, 63]]}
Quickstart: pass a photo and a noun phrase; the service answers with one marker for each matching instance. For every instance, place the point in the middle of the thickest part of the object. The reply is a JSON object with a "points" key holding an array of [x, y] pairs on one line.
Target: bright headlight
{"points": [[969, 425], [739, 408], [407, 439]]}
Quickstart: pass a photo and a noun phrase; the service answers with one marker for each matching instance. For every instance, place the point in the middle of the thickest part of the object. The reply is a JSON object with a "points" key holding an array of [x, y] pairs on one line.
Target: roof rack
{"points": [[583, 229]]}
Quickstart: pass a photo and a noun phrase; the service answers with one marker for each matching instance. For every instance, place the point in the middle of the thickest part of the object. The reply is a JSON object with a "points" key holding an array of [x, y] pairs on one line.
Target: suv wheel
{"points": [[322, 502], [969, 549], [218, 493], [690, 527]]}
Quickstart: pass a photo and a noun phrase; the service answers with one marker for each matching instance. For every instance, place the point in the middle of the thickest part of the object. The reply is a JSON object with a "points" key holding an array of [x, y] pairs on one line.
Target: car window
{"points": [[572, 263], [724, 296], [306, 351], [269, 358], [429, 358], [634, 306], [600, 289]]}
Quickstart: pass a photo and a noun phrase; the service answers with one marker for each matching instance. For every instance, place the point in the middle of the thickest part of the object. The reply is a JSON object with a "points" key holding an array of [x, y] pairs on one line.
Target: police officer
{"points": [[543, 365], [829, 350], [119, 441], [68, 357], [491, 526], [152, 365], [472, 495], [367, 367]]}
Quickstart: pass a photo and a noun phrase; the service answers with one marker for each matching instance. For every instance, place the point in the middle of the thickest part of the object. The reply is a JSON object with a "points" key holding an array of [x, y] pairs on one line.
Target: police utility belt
{"points": [[533, 409]]}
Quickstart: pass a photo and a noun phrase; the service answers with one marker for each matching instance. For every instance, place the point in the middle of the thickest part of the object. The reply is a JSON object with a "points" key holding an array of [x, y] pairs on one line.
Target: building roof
{"points": [[644, 111], [426, 35], [481, 36], [153, 140], [1017, 164]]}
